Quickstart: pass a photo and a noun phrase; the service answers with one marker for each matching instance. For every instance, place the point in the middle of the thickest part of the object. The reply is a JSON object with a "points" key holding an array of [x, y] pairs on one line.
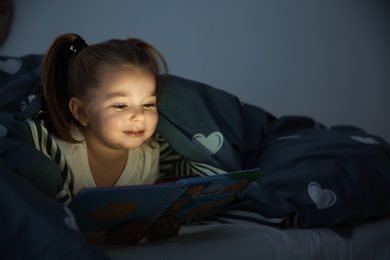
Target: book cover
{"points": [[99, 209], [205, 197]]}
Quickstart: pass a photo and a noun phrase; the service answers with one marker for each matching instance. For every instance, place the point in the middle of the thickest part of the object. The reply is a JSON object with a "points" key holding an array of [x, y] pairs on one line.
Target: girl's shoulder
{"points": [[68, 148]]}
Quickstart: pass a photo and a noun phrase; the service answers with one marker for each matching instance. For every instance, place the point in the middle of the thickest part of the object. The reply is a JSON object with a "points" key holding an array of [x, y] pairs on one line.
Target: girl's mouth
{"points": [[134, 133]]}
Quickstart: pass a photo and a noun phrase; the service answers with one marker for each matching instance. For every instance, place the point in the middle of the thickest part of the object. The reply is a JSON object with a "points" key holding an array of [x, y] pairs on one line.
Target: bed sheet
{"points": [[253, 241]]}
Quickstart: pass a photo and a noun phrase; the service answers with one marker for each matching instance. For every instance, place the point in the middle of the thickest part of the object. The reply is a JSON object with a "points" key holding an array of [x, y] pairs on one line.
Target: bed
{"points": [[256, 241], [323, 193]]}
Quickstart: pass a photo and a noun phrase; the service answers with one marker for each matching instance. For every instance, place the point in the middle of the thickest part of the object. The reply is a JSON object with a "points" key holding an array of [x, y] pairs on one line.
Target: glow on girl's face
{"points": [[122, 112]]}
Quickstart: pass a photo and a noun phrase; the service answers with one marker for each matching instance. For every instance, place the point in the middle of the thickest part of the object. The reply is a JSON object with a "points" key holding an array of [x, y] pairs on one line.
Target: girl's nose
{"points": [[137, 114]]}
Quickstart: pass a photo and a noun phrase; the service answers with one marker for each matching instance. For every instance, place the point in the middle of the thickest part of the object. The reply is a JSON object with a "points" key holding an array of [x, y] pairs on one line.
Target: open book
{"points": [[98, 209]]}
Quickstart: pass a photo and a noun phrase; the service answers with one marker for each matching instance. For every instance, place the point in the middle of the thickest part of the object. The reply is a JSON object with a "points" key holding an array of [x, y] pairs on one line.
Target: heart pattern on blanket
{"points": [[366, 140], [210, 144], [10, 66], [323, 198]]}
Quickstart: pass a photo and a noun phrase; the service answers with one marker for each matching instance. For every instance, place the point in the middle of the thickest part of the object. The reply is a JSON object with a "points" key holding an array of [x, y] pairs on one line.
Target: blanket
{"points": [[34, 226], [312, 175]]}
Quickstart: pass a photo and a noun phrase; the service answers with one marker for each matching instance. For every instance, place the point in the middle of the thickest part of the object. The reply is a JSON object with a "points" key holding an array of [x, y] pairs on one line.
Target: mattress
{"points": [[253, 241]]}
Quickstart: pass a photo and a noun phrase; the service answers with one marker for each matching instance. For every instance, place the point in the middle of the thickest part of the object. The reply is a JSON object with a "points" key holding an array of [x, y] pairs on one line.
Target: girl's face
{"points": [[122, 112]]}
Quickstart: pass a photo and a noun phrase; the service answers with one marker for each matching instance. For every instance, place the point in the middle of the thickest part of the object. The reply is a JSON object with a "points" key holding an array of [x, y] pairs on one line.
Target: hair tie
{"points": [[77, 45]]}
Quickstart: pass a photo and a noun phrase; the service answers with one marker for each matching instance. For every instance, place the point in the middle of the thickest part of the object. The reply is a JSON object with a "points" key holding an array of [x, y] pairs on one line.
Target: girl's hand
{"points": [[127, 234], [164, 227]]}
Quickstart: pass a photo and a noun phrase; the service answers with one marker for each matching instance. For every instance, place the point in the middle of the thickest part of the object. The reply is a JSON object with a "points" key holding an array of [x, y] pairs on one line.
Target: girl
{"points": [[102, 104]]}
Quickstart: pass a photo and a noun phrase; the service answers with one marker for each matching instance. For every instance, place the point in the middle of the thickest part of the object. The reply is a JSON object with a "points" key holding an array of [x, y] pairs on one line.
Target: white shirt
{"points": [[142, 165]]}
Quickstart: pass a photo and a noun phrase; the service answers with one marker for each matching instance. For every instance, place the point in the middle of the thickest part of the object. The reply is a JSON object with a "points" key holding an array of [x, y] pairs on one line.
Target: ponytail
{"points": [[55, 70]]}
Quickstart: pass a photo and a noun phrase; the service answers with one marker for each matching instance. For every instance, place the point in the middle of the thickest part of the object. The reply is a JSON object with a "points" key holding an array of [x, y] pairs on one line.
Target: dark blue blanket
{"points": [[34, 226], [312, 175]]}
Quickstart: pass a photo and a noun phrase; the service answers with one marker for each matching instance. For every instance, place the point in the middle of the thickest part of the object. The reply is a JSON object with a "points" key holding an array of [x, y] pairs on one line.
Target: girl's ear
{"points": [[79, 111]]}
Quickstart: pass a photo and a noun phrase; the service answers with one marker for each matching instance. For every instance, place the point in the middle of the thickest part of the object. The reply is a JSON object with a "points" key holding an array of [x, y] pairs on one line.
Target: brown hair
{"points": [[72, 70]]}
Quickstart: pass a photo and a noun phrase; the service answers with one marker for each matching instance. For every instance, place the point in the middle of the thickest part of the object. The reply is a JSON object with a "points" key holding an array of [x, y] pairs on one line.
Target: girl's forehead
{"points": [[125, 82], [121, 74]]}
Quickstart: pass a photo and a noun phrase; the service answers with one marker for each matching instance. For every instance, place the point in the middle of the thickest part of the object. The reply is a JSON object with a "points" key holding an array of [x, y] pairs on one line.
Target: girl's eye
{"points": [[149, 105], [120, 106]]}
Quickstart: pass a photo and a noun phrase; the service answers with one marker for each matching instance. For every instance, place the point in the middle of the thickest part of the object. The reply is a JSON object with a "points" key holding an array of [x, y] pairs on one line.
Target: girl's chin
{"points": [[131, 146], [134, 144]]}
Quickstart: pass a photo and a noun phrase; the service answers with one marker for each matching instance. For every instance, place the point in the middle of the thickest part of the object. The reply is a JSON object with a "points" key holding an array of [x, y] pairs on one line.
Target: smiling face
{"points": [[121, 113]]}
